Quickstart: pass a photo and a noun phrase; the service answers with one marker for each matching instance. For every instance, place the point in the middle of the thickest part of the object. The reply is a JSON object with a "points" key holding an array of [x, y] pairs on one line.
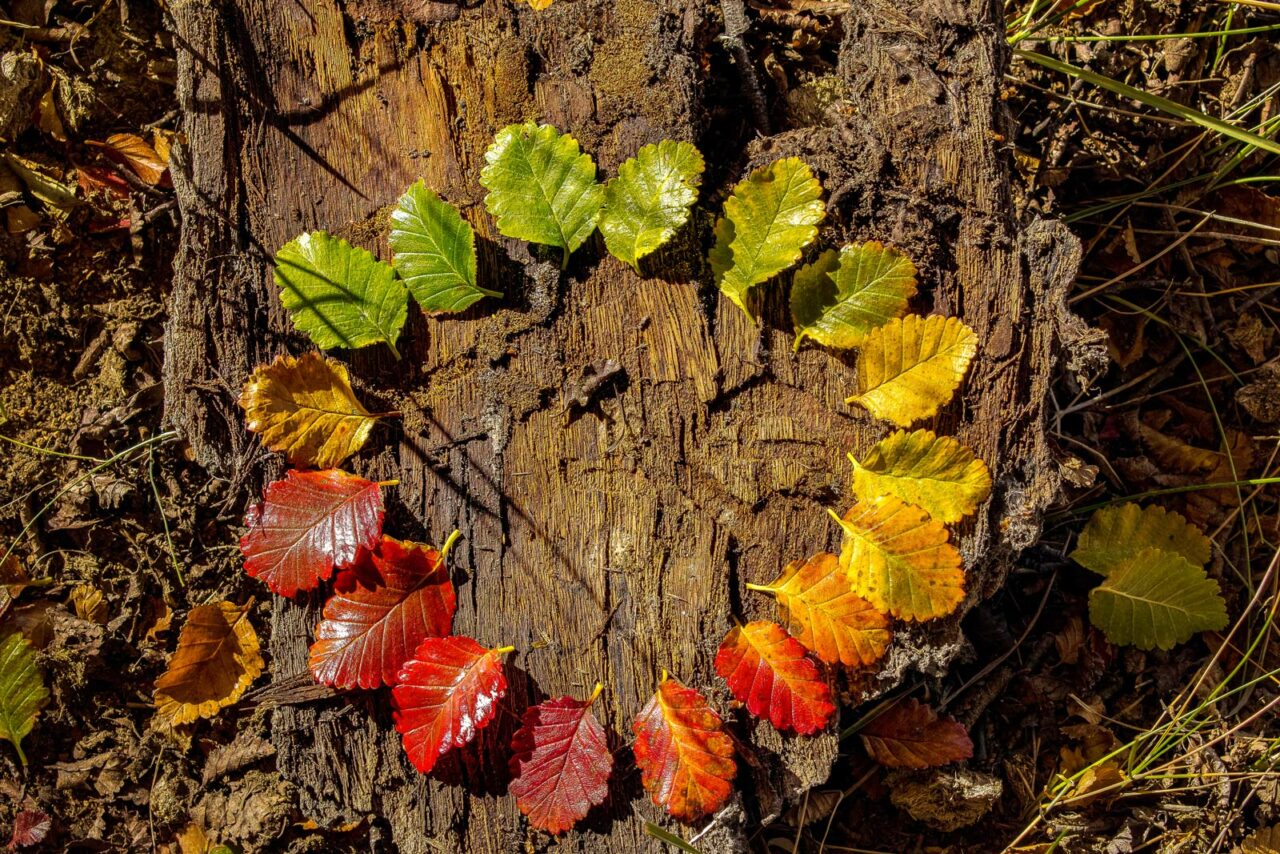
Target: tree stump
{"points": [[612, 540]]}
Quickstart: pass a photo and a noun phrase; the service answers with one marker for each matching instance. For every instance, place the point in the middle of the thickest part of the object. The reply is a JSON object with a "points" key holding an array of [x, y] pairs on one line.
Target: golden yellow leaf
{"points": [[935, 473], [1103, 780], [911, 366], [89, 604], [216, 660], [540, 4], [305, 408], [900, 560]]}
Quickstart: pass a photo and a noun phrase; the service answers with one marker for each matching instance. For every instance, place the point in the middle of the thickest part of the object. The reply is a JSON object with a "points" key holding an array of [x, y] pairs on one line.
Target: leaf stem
{"points": [[595, 692], [448, 544], [761, 588], [394, 351], [385, 483], [503, 650], [17, 745]]}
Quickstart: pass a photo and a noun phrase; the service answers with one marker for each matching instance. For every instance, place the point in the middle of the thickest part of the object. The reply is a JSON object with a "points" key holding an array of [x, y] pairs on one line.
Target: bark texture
{"points": [[608, 541]]}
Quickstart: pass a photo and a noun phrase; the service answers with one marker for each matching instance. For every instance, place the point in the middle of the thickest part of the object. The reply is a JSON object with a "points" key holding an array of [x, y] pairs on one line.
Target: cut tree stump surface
{"points": [[612, 540]]}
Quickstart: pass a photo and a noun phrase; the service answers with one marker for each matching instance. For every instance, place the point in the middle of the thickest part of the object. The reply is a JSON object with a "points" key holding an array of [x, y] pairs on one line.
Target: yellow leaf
{"points": [[216, 660], [539, 5], [820, 610], [910, 367], [900, 560], [305, 407], [1103, 780], [1115, 534], [1264, 840], [89, 604], [935, 473]]}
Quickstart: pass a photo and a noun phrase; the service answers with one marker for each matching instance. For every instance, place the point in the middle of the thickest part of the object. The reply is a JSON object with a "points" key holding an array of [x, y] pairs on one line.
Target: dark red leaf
{"points": [[402, 595], [444, 695], [561, 763], [29, 828], [771, 673], [308, 524], [912, 735]]}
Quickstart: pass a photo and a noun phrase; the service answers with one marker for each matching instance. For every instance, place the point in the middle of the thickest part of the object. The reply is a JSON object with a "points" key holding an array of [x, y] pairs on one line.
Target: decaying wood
{"points": [[610, 539]]}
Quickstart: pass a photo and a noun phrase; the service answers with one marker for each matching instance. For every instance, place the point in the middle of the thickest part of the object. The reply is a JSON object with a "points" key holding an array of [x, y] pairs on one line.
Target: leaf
{"points": [[936, 473], [22, 691], [444, 695], [30, 827], [685, 758], [136, 153], [89, 603], [539, 5], [368, 633], [771, 673], [771, 217], [216, 660], [560, 763], [1264, 840], [838, 299], [305, 408], [57, 197], [309, 524], [911, 735], [1113, 535], [821, 611], [910, 367], [650, 199], [435, 252], [1156, 599], [339, 294], [900, 560], [542, 188]]}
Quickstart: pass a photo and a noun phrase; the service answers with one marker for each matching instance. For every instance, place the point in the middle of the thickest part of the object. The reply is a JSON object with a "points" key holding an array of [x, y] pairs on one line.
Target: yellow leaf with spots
{"points": [[216, 660], [911, 366], [935, 473]]}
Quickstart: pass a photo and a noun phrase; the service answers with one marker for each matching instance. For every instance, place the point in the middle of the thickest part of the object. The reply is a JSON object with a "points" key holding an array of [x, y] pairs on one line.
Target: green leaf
{"points": [[935, 473], [1156, 599], [1115, 534], [838, 299], [650, 199], [771, 217], [338, 294], [542, 188], [22, 691], [434, 251]]}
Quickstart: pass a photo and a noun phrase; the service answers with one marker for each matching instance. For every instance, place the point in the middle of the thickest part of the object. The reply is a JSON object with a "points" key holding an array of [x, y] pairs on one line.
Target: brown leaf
{"points": [[216, 660], [136, 153], [89, 604], [911, 735]]}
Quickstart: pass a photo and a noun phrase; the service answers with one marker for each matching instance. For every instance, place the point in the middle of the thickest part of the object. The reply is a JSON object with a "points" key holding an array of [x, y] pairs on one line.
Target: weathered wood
{"points": [[611, 541]]}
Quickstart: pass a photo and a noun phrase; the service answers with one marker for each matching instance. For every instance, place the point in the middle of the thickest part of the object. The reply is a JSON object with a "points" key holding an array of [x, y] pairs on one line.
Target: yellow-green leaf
{"points": [[900, 560], [935, 473], [1113, 535], [1156, 599], [22, 691], [911, 366], [650, 199], [771, 217], [840, 298]]}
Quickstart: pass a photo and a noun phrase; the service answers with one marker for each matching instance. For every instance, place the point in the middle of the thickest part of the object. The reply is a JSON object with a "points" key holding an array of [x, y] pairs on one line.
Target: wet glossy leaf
{"points": [[444, 695], [650, 199], [685, 758], [542, 188], [771, 217], [1113, 535], [22, 691], [771, 673], [935, 473], [435, 251], [305, 408], [560, 763], [1156, 599], [841, 297], [371, 630], [910, 367], [216, 660], [911, 735], [309, 524], [821, 611], [339, 294], [900, 560]]}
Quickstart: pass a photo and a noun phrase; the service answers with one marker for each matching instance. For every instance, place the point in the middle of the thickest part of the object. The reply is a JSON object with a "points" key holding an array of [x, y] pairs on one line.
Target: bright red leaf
{"points": [[561, 763], [386, 608], [29, 828], [444, 695], [911, 735], [771, 673], [685, 757], [308, 524]]}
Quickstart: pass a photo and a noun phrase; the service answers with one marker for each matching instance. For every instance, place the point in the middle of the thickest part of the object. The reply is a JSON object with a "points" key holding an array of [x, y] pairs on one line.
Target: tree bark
{"points": [[609, 541]]}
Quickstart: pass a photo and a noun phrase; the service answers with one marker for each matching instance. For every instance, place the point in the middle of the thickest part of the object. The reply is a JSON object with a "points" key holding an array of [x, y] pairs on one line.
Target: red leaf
{"points": [[685, 758], [445, 694], [772, 673], [911, 735], [29, 828], [369, 632], [561, 764], [308, 524]]}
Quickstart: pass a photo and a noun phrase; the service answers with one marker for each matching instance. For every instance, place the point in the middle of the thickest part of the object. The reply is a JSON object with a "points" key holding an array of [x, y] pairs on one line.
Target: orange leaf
{"points": [[136, 153], [216, 660], [685, 758], [911, 735], [771, 672], [822, 612]]}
